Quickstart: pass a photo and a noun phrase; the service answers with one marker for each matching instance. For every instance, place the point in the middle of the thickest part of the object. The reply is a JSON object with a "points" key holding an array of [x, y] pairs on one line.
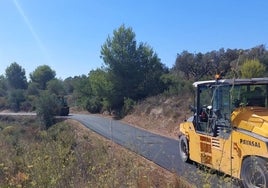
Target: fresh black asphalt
{"points": [[159, 149]]}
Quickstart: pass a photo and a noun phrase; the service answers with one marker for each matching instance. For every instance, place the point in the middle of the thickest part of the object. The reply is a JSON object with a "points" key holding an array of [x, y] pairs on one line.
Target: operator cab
{"points": [[217, 99]]}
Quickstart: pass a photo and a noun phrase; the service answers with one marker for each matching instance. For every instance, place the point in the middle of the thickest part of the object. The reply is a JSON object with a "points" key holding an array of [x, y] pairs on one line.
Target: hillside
{"points": [[161, 114]]}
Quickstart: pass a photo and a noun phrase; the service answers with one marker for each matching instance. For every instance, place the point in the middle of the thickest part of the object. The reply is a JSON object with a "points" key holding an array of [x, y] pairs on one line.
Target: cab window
{"points": [[250, 95], [214, 108]]}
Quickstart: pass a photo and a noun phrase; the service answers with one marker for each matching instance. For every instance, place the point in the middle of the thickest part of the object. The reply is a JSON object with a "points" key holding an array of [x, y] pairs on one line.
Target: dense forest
{"points": [[131, 72]]}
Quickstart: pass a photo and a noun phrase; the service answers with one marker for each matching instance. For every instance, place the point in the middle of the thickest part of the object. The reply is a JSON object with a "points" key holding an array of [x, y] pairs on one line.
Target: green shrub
{"points": [[46, 108], [15, 98], [128, 106], [94, 105]]}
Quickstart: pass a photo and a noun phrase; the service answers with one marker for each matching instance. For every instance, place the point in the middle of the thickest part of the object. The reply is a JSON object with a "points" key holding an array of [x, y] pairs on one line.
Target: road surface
{"points": [[159, 149]]}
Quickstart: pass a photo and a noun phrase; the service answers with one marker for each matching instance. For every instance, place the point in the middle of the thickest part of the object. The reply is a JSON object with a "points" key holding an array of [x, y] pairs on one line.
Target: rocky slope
{"points": [[161, 114]]}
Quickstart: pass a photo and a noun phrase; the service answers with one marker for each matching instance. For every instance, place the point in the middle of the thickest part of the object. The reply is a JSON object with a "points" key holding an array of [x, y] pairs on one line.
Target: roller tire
{"points": [[184, 148], [254, 172]]}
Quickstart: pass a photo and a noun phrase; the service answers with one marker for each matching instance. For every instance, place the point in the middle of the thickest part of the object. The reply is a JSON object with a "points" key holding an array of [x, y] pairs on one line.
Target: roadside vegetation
{"points": [[69, 155]]}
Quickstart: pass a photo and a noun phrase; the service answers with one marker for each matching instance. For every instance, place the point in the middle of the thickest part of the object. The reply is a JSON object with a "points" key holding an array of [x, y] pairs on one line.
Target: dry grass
{"points": [[69, 155]]}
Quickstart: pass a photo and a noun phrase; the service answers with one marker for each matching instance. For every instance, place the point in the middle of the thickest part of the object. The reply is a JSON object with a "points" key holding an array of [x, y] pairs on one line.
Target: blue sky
{"points": [[67, 35]]}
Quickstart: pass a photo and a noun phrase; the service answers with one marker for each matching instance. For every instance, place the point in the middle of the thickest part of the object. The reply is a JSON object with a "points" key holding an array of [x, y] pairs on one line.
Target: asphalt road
{"points": [[159, 149]]}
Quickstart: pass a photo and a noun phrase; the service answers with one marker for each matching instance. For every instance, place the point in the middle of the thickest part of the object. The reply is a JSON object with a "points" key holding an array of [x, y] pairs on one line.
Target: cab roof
{"points": [[246, 81]]}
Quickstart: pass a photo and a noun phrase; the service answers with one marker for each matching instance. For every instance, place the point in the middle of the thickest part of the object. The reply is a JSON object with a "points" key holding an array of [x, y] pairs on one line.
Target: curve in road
{"points": [[159, 149]]}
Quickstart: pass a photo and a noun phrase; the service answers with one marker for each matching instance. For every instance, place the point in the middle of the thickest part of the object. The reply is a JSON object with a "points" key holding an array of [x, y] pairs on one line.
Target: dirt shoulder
{"points": [[159, 126], [160, 115]]}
